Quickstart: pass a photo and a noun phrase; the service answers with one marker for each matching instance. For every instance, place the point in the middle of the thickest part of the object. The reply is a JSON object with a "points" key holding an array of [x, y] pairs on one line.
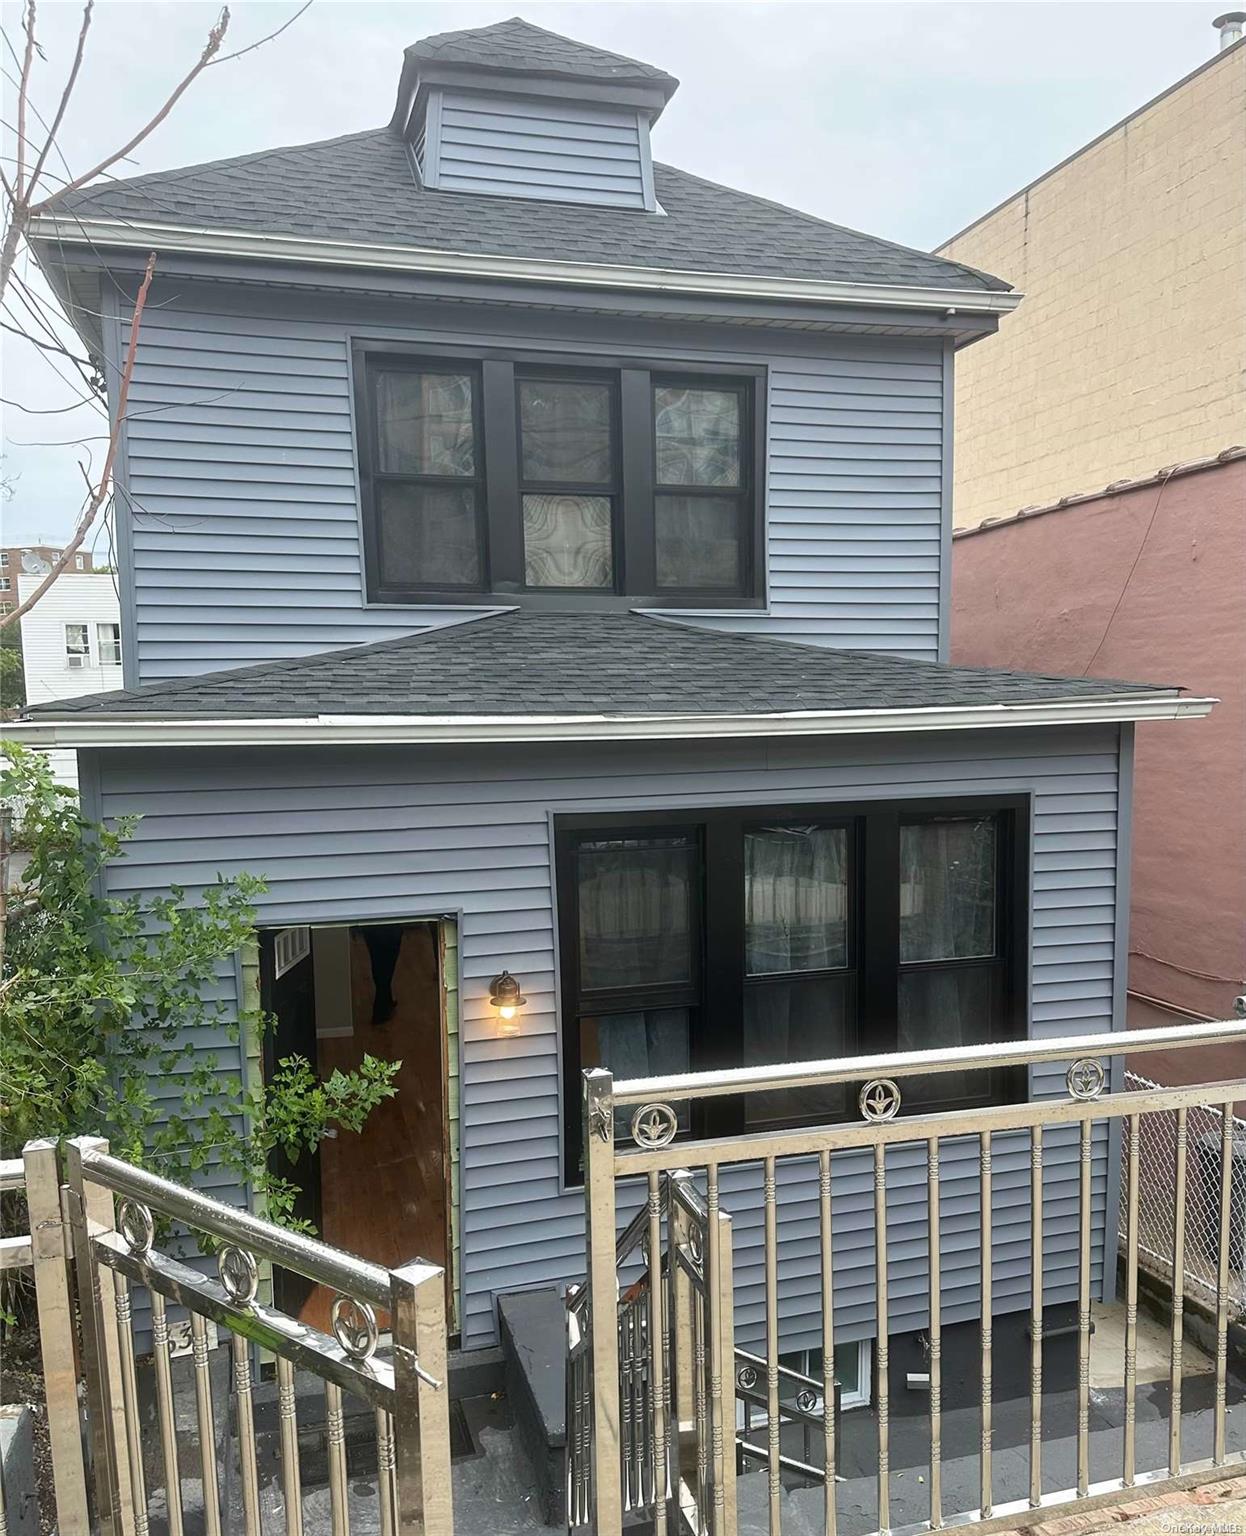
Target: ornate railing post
{"points": [[421, 1447], [50, 1251], [607, 1500]]}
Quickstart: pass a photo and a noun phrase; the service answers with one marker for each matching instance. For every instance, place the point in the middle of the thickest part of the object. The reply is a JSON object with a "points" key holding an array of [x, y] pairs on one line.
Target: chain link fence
{"points": [[1156, 1179]]}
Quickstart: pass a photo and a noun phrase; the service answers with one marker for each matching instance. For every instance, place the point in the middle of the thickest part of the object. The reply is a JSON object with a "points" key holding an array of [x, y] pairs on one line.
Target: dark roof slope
{"points": [[517, 46], [526, 663], [362, 188]]}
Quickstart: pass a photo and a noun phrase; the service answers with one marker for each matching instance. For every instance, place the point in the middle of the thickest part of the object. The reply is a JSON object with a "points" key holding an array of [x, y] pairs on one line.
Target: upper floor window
{"points": [[77, 646], [538, 481], [5, 584], [108, 642], [4, 559]]}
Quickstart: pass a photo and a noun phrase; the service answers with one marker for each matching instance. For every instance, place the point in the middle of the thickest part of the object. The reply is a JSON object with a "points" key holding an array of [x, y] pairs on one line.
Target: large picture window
{"points": [[744, 938], [544, 481]]}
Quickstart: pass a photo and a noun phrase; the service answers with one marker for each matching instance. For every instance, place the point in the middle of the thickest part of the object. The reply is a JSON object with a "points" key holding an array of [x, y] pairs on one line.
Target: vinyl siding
{"points": [[240, 516], [567, 152], [394, 833]]}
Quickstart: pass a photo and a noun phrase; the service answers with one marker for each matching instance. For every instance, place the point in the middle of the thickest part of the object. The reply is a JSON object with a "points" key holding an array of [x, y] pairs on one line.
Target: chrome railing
{"points": [[1048, 1143], [116, 1212], [664, 1315]]}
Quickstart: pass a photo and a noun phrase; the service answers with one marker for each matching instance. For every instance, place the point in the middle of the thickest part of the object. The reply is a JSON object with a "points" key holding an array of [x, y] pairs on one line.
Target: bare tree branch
{"points": [[99, 495], [210, 50], [81, 362], [70, 82], [227, 58], [23, 94]]}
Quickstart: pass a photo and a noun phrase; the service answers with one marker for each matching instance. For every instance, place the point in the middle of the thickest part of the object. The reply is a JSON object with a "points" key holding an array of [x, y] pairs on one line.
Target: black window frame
{"points": [[500, 498], [873, 927], [613, 489], [368, 434], [745, 493]]}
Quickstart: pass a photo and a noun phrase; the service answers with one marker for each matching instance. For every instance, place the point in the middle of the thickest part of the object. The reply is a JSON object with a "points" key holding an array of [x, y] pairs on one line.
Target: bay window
{"points": [[728, 938], [543, 481]]}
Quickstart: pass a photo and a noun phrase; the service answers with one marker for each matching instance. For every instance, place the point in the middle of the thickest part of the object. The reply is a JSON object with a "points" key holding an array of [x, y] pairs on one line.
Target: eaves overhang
{"points": [[112, 729], [62, 234]]}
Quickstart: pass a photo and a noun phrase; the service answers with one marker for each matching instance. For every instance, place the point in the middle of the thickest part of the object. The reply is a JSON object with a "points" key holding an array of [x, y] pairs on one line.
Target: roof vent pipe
{"points": [[1229, 27]]}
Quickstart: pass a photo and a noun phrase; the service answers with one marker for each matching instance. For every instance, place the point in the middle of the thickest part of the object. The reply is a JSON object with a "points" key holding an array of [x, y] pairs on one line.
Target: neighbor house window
{"points": [[737, 938], [539, 479], [80, 562], [77, 645], [108, 643], [5, 584]]}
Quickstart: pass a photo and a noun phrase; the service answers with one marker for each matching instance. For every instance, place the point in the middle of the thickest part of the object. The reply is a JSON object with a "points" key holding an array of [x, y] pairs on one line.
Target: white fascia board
{"points": [[188, 240], [388, 730]]}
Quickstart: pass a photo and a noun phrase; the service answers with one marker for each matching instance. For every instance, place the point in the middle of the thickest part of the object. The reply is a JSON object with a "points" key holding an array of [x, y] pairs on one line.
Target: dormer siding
{"points": [[512, 146]]}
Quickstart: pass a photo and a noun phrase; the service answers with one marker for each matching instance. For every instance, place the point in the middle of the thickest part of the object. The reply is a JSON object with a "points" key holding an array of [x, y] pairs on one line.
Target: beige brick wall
{"points": [[1128, 351]]}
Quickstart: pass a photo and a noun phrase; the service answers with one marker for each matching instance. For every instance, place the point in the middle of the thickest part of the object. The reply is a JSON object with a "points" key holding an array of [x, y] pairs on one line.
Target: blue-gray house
{"points": [[535, 560]]}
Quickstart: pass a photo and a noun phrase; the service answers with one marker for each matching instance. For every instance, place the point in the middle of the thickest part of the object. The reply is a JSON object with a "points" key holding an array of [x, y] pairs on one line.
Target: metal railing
{"points": [[1047, 1141], [1205, 1130], [115, 1212], [662, 1295]]}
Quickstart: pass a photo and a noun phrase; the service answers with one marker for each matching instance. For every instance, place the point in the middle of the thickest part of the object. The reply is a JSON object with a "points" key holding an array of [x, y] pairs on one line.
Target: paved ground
{"points": [[494, 1491]]}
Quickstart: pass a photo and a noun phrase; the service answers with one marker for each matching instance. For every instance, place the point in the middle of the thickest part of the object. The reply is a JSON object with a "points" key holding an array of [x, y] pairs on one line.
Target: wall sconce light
{"points": [[505, 996]]}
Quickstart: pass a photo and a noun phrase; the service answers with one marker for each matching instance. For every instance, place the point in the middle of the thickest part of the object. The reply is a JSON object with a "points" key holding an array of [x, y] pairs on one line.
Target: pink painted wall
{"points": [[1150, 585]]}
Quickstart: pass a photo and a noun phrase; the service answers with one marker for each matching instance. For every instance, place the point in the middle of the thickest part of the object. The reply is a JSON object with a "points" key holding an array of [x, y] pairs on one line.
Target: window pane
{"points": [[795, 899], [698, 542], [698, 436], [427, 536], [635, 903], [803, 1020], [424, 423], [647, 1043], [108, 639], [565, 431], [958, 1005], [567, 541], [947, 889]]}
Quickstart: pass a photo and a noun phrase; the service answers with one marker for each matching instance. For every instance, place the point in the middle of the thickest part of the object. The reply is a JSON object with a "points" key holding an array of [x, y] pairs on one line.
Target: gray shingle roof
{"points": [[527, 663], [362, 188], [517, 46]]}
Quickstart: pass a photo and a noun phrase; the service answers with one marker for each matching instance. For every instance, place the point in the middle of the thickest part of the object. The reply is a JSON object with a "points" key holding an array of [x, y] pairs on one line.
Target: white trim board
{"points": [[198, 241], [379, 730]]}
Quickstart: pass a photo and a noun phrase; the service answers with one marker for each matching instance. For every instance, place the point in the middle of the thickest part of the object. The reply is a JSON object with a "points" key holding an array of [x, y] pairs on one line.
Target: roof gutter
{"points": [[286, 249], [386, 730]]}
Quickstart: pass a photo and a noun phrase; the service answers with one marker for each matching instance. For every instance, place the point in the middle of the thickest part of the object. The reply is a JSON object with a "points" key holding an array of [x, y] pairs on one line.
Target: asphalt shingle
{"points": [[519, 47], [619, 664], [362, 188]]}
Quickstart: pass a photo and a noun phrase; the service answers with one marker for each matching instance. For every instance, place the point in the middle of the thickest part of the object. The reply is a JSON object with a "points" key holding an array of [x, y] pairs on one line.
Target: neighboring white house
{"points": [[71, 644]]}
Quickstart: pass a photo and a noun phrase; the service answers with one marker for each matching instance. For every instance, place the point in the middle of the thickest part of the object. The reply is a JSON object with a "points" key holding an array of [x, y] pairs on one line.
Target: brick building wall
{"points": [[1146, 584], [1127, 351]]}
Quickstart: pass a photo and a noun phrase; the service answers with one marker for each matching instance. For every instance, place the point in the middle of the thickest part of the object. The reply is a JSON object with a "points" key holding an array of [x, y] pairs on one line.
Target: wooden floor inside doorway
{"points": [[384, 1189]]}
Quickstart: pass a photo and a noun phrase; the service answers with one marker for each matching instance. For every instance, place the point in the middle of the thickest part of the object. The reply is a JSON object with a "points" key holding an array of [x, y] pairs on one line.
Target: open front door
{"points": [[288, 993]]}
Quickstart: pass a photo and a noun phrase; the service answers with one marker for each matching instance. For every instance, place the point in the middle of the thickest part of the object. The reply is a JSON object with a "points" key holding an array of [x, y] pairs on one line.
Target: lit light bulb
{"points": [[506, 1011]]}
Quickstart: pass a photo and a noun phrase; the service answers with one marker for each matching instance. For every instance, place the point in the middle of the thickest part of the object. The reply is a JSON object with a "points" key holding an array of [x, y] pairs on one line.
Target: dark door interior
{"points": [[291, 1000]]}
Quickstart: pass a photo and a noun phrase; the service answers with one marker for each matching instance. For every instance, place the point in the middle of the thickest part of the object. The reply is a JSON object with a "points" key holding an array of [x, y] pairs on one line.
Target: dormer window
{"points": [[511, 110], [537, 480]]}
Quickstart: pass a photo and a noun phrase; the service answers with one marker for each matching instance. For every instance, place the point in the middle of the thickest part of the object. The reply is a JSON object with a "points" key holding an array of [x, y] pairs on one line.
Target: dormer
{"points": [[512, 110]]}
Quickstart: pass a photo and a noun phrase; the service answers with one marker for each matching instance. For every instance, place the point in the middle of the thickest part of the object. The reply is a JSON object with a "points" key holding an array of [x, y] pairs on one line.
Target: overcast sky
{"points": [[905, 120]]}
